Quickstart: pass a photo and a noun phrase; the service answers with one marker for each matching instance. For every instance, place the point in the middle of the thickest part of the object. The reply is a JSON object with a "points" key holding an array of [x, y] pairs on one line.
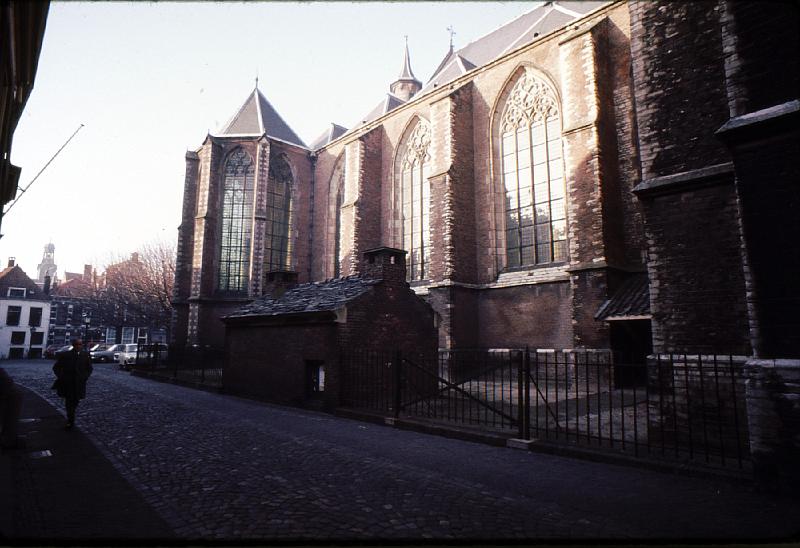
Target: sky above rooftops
{"points": [[150, 79]]}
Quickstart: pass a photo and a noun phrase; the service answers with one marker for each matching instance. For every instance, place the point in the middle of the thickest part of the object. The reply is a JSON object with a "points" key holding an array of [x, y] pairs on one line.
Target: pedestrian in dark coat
{"points": [[72, 369]]}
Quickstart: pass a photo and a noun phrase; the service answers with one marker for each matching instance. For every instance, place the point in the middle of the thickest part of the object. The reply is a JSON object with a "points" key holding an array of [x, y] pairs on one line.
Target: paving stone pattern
{"points": [[219, 467]]}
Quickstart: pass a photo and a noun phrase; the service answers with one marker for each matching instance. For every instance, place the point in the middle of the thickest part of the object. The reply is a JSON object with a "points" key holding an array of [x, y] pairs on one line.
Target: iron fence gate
{"points": [[678, 407]]}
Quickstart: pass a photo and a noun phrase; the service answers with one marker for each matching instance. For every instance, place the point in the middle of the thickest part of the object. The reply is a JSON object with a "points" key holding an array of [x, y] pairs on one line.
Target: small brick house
{"points": [[285, 347]]}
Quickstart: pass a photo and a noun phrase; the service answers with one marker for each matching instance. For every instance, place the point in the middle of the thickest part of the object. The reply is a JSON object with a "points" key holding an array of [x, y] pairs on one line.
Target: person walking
{"points": [[72, 369]]}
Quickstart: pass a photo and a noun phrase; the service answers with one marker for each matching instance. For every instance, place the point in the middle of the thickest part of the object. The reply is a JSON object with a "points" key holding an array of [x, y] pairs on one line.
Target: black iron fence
{"points": [[200, 365], [684, 407]]}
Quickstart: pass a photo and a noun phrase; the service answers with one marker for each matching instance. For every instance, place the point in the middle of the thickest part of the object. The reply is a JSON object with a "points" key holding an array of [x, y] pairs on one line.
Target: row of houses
{"points": [[37, 314]]}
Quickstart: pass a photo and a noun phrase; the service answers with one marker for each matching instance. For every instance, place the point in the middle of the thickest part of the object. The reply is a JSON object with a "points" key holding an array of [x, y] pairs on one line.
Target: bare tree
{"points": [[139, 289]]}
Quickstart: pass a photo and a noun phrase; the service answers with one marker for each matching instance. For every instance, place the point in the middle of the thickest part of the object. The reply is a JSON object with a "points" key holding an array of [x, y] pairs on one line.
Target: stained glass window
{"points": [[416, 199], [533, 179], [278, 245], [237, 222]]}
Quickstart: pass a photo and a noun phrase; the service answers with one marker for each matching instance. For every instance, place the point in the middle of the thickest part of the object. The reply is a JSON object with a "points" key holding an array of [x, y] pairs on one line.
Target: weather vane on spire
{"points": [[256, 79], [452, 32]]}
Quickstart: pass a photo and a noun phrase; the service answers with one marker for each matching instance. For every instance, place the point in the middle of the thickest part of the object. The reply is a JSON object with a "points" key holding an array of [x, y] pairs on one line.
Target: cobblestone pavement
{"points": [[219, 467]]}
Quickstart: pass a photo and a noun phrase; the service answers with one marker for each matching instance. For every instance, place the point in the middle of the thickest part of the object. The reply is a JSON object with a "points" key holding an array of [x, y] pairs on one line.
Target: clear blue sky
{"points": [[149, 80]]}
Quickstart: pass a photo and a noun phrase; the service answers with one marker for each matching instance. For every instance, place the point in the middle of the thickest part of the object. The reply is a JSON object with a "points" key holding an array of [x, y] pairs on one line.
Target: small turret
{"points": [[406, 84]]}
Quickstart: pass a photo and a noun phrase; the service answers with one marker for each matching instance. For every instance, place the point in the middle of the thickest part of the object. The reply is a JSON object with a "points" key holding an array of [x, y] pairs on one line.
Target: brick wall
{"points": [[535, 315], [761, 45], [366, 211], [269, 362], [694, 266], [679, 84]]}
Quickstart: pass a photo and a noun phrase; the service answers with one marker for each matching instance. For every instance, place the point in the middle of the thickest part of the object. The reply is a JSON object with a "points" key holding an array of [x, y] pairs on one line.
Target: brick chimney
{"points": [[46, 285], [277, 282], [11, 262], [87, 273], [385, 263]]}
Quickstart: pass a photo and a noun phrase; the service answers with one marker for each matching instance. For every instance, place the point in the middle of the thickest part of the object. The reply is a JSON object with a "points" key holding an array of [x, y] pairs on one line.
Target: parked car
{"points": [[62, 349], [148, 353], [104, 353]]}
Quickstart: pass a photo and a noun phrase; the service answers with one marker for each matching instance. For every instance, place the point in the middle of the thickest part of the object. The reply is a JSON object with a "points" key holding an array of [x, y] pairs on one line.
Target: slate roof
{"points": [[515, 34], [389, 103], [324, 296], [406, 73], [333, 132], [631, 299], [256, 117]]}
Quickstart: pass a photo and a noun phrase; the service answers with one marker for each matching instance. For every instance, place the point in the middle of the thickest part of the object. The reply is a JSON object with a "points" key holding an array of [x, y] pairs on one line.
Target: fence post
{"points": [[527, 393], [520, 397], [398, 359]]}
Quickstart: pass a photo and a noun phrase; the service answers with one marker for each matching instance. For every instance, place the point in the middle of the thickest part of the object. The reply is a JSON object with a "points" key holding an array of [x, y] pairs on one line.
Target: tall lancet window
{"points": [[416, 199], [533, 175], [237, 222], [278, 245], [337, 237]]}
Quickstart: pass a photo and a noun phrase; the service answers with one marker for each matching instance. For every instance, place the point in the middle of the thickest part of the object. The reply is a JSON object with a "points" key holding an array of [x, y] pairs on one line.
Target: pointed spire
{"points": [[407, 84], [406, 73]]}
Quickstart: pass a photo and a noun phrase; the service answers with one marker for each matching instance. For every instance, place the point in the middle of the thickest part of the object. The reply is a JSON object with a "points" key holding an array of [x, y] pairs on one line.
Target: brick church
{"points": [[590, 175]]}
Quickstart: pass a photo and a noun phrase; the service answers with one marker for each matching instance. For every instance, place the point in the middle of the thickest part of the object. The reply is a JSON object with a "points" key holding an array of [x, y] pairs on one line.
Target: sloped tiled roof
{"points": [[631, 299], [256, 117], [324, 296], [333, 132], [387, 104], [515, 34], [14, 276]]}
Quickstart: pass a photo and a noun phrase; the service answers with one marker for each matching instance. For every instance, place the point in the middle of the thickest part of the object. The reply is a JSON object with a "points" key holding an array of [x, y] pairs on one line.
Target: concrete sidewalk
{"points": [[59, 487]]}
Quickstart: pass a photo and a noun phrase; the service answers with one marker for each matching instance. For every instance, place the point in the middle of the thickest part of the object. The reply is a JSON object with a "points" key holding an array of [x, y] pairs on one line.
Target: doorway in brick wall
{"points": [[315, 380], [631, 343]]}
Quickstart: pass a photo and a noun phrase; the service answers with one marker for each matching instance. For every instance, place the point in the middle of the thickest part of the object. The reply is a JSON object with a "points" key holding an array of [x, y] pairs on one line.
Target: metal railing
{"points": [[199, 365], [679, 407]]}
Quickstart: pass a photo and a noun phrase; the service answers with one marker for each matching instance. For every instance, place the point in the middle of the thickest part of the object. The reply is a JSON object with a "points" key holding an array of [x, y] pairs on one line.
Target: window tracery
{"points": [[416, 195], [278, 245], [237, 219], [533, 177]]}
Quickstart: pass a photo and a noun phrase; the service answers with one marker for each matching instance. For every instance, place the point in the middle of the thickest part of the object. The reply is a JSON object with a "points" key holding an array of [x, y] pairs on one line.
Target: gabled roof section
{"points": [[257, 117], [524, 29], [14, 276], [313, 297], [333, 132], [389, 103], [630, 301]]}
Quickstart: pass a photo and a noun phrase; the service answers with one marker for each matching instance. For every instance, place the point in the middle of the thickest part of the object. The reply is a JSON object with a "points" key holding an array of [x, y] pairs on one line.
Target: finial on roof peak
{"points": [[452, 32]]}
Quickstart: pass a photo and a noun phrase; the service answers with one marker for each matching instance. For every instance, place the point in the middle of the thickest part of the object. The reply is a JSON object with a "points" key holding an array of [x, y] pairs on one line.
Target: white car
{"points": [[126, 355], [128, 352]]}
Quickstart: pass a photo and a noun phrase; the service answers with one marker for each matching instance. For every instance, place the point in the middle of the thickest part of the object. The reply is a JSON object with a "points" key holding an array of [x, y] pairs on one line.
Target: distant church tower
{"points": [[48, 266], [406, 85], [245, 195]]}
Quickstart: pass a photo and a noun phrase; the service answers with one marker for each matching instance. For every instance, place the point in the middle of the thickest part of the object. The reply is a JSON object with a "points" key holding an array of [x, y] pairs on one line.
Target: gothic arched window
{"points": [[237, 222], [416, 198], [278, 246], [533, 175], [337, 236]]}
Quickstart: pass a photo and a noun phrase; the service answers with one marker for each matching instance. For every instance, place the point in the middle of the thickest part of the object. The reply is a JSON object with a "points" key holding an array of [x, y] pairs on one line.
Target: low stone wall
{"points": [[773, 412]]}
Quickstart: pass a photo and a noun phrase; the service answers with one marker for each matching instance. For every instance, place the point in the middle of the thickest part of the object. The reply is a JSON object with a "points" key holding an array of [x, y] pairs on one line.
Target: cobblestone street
{"points": [[218, 467]]}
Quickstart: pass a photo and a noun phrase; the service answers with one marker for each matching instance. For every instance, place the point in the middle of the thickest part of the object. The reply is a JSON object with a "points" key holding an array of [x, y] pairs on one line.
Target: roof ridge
{"points": [[499, 27], [527, 30]]}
